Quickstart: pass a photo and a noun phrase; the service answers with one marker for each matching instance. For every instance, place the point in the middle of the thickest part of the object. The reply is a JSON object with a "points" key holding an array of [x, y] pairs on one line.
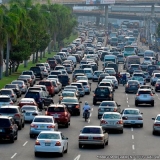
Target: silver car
{"points": [[86, 86], [42, 123], [21, 84], [144, 96], [132, 116], [114, 79], [156, 125], [69, 68], [9, 92], [5, 100], [112, 121], [93, 135]]}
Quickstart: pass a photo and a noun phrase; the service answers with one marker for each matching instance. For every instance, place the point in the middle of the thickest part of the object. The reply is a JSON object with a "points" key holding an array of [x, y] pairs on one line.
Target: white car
{"points": [[114, 79], [154, 78], [51, 141], [156, 125], [132, 116], [30, 112]]}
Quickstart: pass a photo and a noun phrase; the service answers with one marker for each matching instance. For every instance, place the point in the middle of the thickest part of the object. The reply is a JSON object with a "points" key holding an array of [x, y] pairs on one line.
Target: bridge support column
{"points": [[97, 20], [106, 16]]}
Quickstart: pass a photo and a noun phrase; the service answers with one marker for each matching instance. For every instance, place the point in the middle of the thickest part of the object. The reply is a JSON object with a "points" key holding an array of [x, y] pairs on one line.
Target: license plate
{"points": [[133, 86], [145, 96], [111, 123], [55, 116], [102, 94], [132, 122], [27, 114], [69, 105], [42, 126], [0, 130], [47, 144], [90, 138]]}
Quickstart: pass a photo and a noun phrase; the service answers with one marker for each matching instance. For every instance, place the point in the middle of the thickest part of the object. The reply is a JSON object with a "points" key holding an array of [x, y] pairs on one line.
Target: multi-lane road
{"points": [[133, 142]]}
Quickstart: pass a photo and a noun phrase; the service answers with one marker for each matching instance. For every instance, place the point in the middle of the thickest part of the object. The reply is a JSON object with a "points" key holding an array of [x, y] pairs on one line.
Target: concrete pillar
{"points": [[106, 16], [97, 20]]}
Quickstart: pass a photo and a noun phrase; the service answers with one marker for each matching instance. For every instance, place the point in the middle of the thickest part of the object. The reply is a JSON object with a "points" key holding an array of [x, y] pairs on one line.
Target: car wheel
{"points": [[136, 104], [141, 125], [36, 154], [20, 126], [31, 136], [126, 91], [99, 117], [16, 136], [61, 154], [80, 145], [152, 104], [66, 125], [66, 149], [121, 131], [94, 102], [23, 124], [106, 143], [12, 139], [154, 133], [103, 145]]}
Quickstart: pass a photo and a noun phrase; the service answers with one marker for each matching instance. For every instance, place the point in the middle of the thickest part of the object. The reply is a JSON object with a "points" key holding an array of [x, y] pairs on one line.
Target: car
{"points": [[112, 121], [81, 78], [86, 86], [9, 92], [144, 65], [141, 80], [108, 106], [30, 111], [96, 75], [133, 67], [49, 86], [15, 88], [31, 73], [76, 75], [101, 94], [60, 114], [144, 96], [156, 125], [21, 84], [102, 76], [29, 78], [14, 112], [52, 142], [69, 68], [44, 71], [132, 116], [64, 79], [80, 88], [154, 78], [58, 84], [52, 64], [157, 85], [42, 123], [132, 86], [107, 84], [8, 129], [72, 104], [93, 135], [114, 79], [5, 100], [27, 101]]}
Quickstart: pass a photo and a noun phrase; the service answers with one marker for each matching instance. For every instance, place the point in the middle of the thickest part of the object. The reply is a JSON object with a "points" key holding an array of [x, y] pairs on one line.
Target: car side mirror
{"points": [[66, 138], [80, 102], [153, 118], [23, 111], [141, 113], [119, 105]]}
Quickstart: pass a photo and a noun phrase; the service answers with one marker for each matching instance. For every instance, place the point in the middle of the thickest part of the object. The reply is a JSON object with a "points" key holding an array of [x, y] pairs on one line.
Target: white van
{"points": [[88, 72], [73, 58], [112, 58]]}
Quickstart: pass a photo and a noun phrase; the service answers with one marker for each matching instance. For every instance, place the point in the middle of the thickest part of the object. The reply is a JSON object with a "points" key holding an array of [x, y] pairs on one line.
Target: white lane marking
{"points": [[159, 98], [90, 114], [13, 155], [132, 136], [127, 101], [156, 94], [88, 120], [78, 157], [127, 98], [133, 147], [126, 94], [131, 129], [25, 143], [92, 109], [128, 105]]}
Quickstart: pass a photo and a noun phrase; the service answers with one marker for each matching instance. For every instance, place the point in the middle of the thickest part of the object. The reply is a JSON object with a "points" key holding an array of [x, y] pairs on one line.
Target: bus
{"points": [[129, 51]]}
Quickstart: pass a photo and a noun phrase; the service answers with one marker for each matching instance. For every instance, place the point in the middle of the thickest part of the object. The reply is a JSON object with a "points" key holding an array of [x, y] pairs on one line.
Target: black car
{"points": [[8, 129], [157, 86], [41, 98], [64, 79], [37, 72], [102, 76], [102, 94], [15, 88]]}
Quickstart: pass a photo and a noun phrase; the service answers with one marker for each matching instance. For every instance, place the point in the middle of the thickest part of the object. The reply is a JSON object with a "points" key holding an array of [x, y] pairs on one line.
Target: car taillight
{"points": [[11, 128], [51, 126], [83, 137], [110, 95], [103, 122], [151, 94], [140, 118], [11, 103], [98, 138], [120, 122], [157, 124], [124, 118], [94, 95], [37, 143], [115, 110], [33, 126], [47, 113], [137, 94], [77, 106], [157, 85], [17, 115], [12, 95], [58, 143]]}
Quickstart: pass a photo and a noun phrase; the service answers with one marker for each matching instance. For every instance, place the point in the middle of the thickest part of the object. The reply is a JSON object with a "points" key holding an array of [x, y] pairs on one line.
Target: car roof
{"points": [[41, 116], [112, 113], [4, 96], [92, 127], [144, 89], [29, 99], [131, 109], [82, 81], [10, 106], [52, 132], [57, 105]]}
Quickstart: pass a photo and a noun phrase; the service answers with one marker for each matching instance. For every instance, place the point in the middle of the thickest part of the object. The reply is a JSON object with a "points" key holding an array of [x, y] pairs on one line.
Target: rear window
{"points": [[102, 90], [144, 92], [10, 86], [134, 66], [63, 77], [55, 73], [45, 83], [35, 69], [55, 109], [48, 136], [104, 84], [111, 116], [8, 110], [157, 75], [107, 104], [51, 62], [31, 89], [45, 120], [92, 130], [27, 73], [78, 85], [152, 67], [4, 99], [4, 122], [84, 83], [5, 92]]}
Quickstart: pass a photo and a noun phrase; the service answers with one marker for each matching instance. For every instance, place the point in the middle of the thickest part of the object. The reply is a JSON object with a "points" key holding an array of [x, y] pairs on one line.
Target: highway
{"points": [[134, 141]]}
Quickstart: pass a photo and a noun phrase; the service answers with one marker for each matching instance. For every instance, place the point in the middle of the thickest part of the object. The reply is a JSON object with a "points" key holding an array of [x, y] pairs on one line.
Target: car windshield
{"points": [[17, 82], [144, 92], [100, 91], [56, 109], [8, 110], [138, 78], [135, 112], [4, 99], [69, 100], [111, 116], [91, 130], [111, 104], [82, 78], [48, 136], [68, 94], [97, 73], [52, 76], [104, 84], [45, 120], [158, 118]]}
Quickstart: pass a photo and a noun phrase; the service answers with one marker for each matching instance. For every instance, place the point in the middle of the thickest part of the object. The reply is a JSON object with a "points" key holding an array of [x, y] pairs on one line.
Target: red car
{"points": [[60, 114], [27, 101], [49, 86]]}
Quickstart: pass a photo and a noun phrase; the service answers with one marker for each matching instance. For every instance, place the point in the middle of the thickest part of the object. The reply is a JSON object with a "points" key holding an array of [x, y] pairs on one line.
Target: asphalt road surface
{"points": [[134, 142]]}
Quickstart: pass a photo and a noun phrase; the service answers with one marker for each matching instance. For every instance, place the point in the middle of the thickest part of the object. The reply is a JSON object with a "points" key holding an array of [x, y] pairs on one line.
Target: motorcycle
{"points": [[86, 115], [124, 82]]}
